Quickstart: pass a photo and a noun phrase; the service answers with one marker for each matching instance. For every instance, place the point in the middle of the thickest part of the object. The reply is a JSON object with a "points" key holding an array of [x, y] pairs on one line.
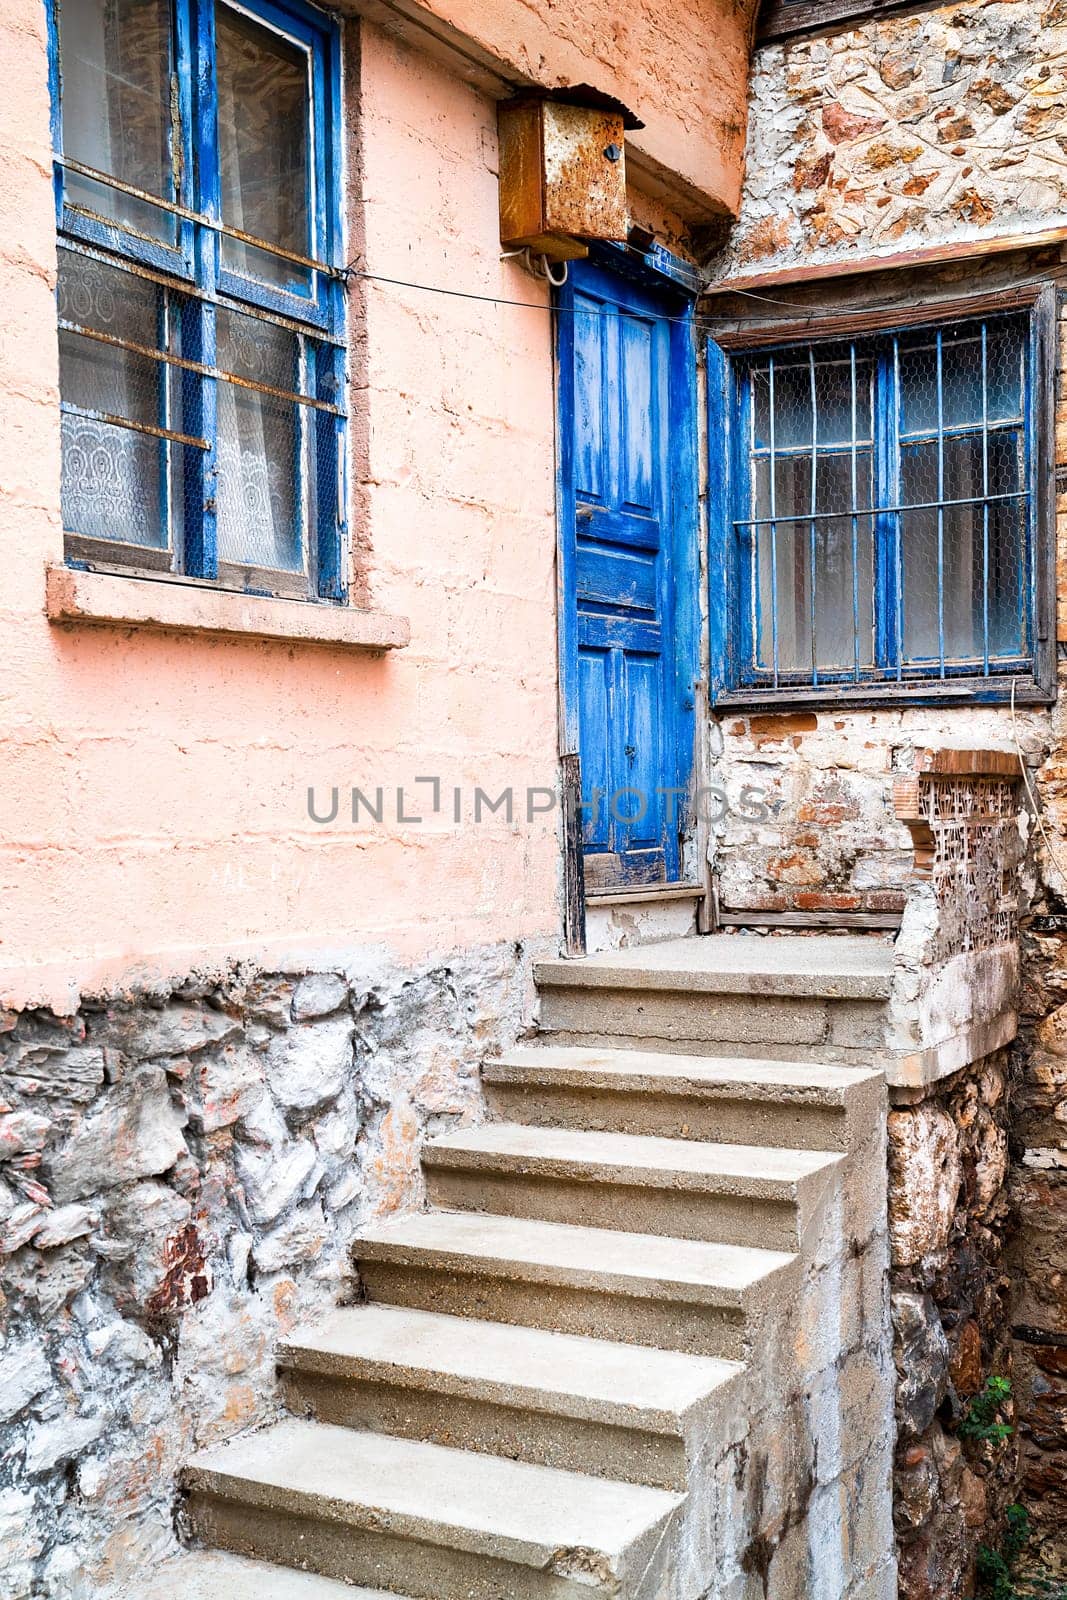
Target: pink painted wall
{"points": [[153, 788], [681, 67]]}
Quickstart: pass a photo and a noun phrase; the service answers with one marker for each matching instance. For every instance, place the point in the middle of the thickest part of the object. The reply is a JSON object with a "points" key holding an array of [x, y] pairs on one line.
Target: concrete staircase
{"points": [[637, 1347]]}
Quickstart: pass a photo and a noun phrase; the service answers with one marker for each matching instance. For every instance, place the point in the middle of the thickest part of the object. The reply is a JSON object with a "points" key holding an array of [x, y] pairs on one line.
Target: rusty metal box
{"points": [[562, 176]]}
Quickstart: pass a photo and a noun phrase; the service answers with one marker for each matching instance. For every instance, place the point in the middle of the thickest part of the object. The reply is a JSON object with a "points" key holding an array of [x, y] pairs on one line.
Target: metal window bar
{"points": [[898, 547], [812, 504], [854, 475], [199, 368], [111, 182], [865, 511], [194, 291], [774, 525], [940, 498], [979, 426], [89, 414], [985, 501]]}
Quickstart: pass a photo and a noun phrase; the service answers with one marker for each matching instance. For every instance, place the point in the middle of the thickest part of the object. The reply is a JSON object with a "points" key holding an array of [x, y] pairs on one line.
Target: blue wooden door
{"points": [[628, 566]]}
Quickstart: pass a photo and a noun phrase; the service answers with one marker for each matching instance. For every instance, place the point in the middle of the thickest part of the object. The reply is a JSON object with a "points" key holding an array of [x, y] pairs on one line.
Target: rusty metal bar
{"points": [[186, 287], [874, 511], [173, 209], [198, 367], [70, 409]]}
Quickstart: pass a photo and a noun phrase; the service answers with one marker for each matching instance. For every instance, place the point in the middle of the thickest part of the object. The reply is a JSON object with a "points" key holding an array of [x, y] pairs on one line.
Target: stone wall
{"points": [[1039, 1248], [904, 133], [181, 1175], [949, 1214], [810, 825]]}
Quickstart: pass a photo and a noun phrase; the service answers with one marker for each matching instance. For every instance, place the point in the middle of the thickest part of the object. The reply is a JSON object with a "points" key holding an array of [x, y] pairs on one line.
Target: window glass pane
{"points": [[793, 401], [259, 447], [792, 482], [114, 478], [264, 147], [974, 547], [844, 619], [116, 66], [961, 376], [792, 405]]}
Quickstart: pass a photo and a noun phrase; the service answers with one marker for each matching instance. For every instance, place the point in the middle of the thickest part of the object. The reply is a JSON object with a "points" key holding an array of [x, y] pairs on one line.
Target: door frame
{"points": [[683, 513]]}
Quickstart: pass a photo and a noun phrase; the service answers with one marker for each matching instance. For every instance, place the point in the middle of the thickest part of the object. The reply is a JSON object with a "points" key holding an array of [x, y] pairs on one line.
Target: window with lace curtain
{"points": [[201, 293]]}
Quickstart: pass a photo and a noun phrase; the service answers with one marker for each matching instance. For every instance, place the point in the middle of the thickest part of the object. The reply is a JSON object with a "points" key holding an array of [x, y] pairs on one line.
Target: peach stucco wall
{"points": [[680, 65], [153, 787]]}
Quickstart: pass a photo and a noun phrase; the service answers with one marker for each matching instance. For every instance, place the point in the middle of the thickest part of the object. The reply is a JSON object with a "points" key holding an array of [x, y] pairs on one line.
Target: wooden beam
{"points": [[855, 266]]}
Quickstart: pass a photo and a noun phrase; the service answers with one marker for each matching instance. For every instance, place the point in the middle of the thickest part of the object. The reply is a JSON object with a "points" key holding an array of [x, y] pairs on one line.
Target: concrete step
{"points": [[725, 1193], [427, 1521], [611, 1410], [216, 1575], [725, 994], [798, 1105], [674, 1294]]}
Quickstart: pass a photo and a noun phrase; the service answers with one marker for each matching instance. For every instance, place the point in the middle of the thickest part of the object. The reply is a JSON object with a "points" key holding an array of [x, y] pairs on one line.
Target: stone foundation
{"points": [[1039, 1252], [949, 1215], [181, 1175]]}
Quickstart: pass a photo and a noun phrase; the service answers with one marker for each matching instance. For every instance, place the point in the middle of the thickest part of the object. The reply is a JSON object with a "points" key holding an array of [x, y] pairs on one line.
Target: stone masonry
{"points": [[905, 133], [949, 1212], [181, 1176]]}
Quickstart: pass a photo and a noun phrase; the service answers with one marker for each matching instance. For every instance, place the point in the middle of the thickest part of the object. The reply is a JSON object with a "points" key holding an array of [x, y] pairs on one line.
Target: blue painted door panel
{"points": [[628, 567]]}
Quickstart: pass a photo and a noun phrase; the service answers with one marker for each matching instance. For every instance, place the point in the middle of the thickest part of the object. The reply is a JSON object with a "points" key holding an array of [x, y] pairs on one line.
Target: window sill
{"points": [[164, 605], [958, 691]]}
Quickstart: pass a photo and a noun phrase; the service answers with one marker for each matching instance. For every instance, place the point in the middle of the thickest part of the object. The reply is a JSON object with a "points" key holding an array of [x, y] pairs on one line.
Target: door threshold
{"points": [[638, 893]]}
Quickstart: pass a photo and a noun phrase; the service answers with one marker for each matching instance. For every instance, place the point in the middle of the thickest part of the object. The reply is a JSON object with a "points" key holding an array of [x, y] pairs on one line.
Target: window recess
{"points": [[201, 298], [885, 518]]}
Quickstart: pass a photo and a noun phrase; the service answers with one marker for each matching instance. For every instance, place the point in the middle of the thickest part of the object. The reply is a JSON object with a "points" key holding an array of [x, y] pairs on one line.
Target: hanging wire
{"points": [[800, 317]]}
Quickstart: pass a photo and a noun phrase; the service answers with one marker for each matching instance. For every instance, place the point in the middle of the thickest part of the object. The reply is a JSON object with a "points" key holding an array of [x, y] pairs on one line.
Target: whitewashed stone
{"points": [[72, 1074], [53, 1280], [309, 1066], [238, 1251], [273, 1181], [20, 1226], [176, 1030], [224, 1083], [49, 1443], [300, 1238], [135, 1133], [344, 1191], [21, 1540], [142, 1220], [22, 1131], [337, 1133], [61, 1226], [124, 1345], [317, 995], [24, 1374], [924, 1181], [65, 1575], [263, 1124]]}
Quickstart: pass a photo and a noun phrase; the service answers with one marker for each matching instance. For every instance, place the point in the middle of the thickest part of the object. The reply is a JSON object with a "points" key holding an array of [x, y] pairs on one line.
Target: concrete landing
{"points": [[845, 968]]}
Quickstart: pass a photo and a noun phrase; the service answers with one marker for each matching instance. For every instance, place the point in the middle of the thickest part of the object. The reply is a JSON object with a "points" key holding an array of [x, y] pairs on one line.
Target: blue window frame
{"points": [[201, 289], [882, 509]]}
